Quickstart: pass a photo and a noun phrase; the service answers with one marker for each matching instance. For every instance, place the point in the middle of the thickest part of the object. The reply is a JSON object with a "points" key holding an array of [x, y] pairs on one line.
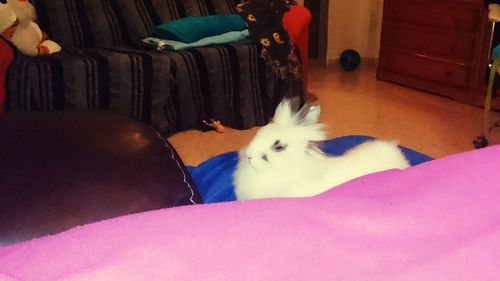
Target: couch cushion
{"points": [[228, 82], [82, 23], [173, 91], [116, 22], [207, 7], [125, 80], [62, 169], [142, 15]]}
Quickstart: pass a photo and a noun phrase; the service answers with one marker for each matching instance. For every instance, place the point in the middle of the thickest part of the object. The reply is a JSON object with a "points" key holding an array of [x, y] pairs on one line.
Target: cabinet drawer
{"points": [[454, 45], [424, 67], [433, 13]]}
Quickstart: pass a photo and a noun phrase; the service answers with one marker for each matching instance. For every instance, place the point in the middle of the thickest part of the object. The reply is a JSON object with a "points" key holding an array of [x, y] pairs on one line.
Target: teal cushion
{"points": [[496, 52], [192, 29]]}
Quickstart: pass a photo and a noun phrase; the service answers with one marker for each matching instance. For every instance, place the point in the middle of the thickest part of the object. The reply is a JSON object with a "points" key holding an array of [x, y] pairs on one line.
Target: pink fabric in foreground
{"points": [[436, 221]]}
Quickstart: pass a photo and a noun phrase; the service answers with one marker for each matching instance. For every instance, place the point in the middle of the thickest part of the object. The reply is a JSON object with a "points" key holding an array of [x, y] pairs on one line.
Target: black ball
{"points": [[349, 60], [480, 142]]}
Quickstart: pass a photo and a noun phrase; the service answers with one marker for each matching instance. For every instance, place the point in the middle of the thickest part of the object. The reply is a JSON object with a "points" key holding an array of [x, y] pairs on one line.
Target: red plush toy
{"points": [[6, 53], [6, 57]]}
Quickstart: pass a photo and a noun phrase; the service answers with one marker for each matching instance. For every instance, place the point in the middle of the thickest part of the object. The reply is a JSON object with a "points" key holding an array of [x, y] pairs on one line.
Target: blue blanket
{"points": [[214, 177], [172, 45]]}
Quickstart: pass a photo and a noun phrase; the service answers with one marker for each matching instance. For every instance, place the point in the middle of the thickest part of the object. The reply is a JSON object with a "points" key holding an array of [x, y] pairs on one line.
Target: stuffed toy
{"points": [[8, 20], [22, 30]]}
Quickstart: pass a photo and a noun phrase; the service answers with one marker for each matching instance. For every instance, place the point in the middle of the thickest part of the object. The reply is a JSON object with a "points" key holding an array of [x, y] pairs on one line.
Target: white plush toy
{"points": [[284, 160], [7, 20], [23, 32]]}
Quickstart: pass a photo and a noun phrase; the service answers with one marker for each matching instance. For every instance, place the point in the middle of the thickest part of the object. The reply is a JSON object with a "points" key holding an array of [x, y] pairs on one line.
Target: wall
{"points": [[354, 25]]}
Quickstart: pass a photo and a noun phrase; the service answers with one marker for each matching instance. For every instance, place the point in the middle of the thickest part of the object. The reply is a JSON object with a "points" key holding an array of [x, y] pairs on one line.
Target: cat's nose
{"points": [[249, 158]]}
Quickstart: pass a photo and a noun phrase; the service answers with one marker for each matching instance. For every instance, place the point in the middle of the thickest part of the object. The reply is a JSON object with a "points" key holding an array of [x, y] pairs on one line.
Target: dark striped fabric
{"points": [[82, 23], [116, 22], [100, 69], [228, 82]]}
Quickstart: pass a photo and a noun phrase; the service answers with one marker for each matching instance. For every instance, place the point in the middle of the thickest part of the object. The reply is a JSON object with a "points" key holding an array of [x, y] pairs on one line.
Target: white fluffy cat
{"points": [[284, 160]]}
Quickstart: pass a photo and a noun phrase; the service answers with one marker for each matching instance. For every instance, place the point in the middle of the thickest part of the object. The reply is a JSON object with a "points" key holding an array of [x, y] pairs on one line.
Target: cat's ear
{"points": [[296, 104], [312, 115], [286, 112], [307, 115], [283, 113]]}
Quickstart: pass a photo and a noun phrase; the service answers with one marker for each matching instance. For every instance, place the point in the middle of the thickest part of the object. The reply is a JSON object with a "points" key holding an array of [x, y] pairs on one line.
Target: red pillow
{"points": [[6, 57], [296, 22]]}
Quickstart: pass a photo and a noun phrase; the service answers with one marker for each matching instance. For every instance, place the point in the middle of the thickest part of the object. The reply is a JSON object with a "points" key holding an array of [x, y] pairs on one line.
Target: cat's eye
{"points": [[278, 146]]}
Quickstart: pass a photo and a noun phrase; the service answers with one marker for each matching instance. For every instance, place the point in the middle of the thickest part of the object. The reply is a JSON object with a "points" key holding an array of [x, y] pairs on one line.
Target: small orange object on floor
{"points": [[215, 124]]}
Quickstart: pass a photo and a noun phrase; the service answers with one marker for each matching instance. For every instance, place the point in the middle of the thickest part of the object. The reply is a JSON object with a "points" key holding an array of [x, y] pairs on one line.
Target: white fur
{"points": [[301, 169]]}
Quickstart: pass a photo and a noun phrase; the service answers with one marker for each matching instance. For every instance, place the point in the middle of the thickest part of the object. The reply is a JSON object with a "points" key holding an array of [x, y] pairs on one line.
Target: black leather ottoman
{"points": [[63, 169]]}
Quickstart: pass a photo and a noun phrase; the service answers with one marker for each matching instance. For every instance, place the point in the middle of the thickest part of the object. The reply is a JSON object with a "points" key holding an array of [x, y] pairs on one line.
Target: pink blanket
{"points": [[436, 221]]}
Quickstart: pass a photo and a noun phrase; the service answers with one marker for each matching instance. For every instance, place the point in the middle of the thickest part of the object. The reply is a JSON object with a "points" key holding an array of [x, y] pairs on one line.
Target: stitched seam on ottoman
{"points": [[179, 166]]}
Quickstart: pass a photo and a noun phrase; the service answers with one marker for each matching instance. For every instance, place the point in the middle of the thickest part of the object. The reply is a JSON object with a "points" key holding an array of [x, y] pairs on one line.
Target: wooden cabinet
{"points": [[436, 46]]}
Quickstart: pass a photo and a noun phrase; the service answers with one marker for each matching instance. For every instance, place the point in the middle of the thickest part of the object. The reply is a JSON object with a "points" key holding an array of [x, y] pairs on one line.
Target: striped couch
{"points": [[103, 66]]}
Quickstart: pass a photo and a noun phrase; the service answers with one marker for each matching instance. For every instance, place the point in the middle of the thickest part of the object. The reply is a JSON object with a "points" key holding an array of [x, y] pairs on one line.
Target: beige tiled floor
{"points": [[357, 103]]}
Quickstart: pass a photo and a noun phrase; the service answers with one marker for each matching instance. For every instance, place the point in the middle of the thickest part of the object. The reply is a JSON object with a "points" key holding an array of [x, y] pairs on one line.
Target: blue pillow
{"points": [[214, 177], [192, 29]]}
